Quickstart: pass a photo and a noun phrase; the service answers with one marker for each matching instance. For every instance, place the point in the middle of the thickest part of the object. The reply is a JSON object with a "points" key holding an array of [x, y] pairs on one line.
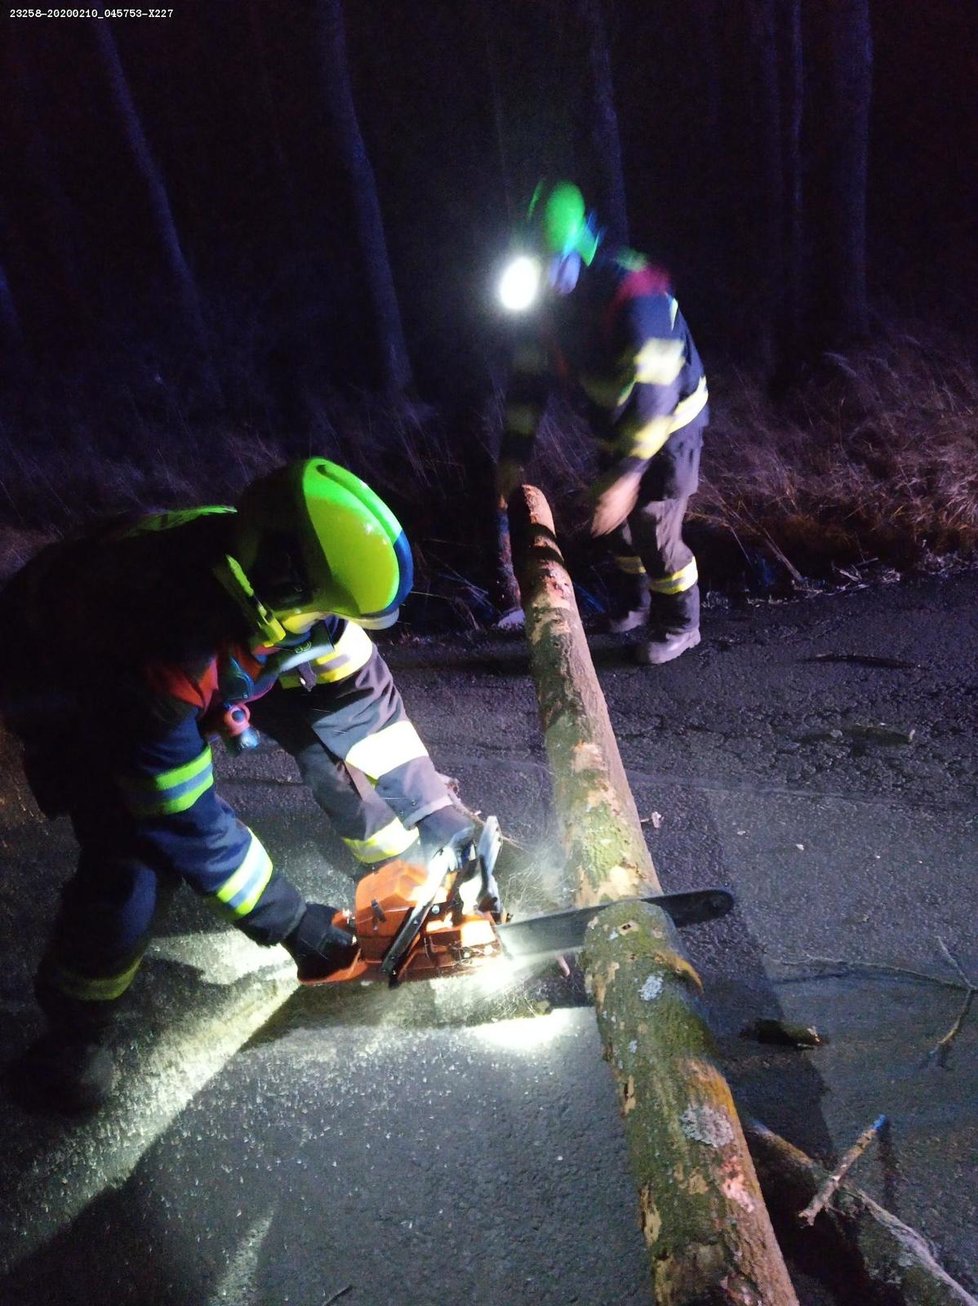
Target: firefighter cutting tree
{"points": [[603, 321], [129, 653]]}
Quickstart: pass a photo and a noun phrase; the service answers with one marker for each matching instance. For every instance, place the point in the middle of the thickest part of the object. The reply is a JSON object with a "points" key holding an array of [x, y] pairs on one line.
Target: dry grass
{"points": [[872, 459], [875, 458]]}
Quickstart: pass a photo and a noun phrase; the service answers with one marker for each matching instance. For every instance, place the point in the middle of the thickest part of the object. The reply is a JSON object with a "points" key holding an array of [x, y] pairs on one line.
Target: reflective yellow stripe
{"points": [[649, 439], [522, 419], [677, 582], [659, 362], [88, 989], [391, 747], [242, 889], [169, 791], [391, 841], [605, 393], [630, 566], [691, 406], [351, 652]]}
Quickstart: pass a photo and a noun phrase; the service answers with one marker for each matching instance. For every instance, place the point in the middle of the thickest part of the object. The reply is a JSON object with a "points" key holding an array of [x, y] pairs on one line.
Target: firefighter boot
{"points": [[71, 1071], [674, 627], [653, 652]]}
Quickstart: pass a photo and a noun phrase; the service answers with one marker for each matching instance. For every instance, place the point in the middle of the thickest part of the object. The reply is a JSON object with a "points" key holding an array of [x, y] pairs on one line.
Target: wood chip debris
{"points": [[783, 1034]]}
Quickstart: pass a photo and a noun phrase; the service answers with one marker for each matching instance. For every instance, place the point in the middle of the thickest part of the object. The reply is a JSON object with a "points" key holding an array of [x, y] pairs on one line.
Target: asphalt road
{"points": [[444, 1144]]}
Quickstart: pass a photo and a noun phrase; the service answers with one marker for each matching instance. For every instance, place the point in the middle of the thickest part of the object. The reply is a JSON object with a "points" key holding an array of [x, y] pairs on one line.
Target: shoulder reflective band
{"points": [[167, 521], [678, 582], [383, 751], [390, 841], [351, 652], [242, 889], [170, 791]]}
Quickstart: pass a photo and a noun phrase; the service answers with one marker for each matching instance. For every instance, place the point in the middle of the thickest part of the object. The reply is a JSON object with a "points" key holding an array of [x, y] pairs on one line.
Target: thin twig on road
{"points": [[807, 1216]]}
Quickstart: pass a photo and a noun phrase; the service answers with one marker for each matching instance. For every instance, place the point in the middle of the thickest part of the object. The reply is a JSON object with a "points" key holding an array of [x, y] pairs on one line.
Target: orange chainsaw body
{"points": [[449, 942]]}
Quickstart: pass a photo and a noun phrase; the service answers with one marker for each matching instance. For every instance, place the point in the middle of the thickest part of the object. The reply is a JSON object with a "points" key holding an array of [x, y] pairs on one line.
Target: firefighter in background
{"points": [[604, 321], [128, 652]]}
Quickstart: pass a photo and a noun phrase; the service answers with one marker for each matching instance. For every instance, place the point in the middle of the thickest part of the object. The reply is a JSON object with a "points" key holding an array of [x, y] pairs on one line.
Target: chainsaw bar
{"points": [[563, 931]]}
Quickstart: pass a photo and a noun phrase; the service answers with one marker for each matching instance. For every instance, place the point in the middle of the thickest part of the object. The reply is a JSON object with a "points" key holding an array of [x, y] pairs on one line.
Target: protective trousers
{"points": [[106, 917], [654, 535]]}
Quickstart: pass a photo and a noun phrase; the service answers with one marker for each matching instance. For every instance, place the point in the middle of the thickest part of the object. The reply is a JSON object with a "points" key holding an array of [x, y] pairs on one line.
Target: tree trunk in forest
{"points": [[52, 217], [768, 204], [601, 128], [181, 277], [838, 105], [394, 365], [11, 335], [708, 1235]]}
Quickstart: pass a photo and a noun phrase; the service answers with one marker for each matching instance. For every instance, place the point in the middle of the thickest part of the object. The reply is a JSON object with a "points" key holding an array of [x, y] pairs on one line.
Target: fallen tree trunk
{"points": [[880, 1257], [708, 1234]]}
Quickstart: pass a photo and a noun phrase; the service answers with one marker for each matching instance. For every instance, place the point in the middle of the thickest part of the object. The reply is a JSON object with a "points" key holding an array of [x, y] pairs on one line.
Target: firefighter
{"points": [[129, 652], [605, 322]]}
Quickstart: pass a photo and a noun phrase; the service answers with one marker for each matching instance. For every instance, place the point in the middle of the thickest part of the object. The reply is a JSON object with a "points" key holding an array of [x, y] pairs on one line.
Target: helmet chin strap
{"points": [[231, 575]]}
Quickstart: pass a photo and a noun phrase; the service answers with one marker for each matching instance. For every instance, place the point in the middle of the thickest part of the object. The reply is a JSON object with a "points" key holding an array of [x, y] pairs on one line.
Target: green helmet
{"points": [[557, 212], [312, 539]]}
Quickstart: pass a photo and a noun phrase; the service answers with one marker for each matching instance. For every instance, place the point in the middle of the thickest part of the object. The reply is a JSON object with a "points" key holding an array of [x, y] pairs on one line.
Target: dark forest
{"points": [[255, 227]]}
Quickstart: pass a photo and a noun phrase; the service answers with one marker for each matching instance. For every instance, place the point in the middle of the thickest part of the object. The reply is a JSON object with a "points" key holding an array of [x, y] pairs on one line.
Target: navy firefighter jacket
{"points": [[122, 652], [620, 339]]}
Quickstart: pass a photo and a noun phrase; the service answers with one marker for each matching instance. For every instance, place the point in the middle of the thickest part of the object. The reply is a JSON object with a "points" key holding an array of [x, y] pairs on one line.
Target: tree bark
{"points": [[601, 116], [864, 1242], [708, 1235], [394, 365]]}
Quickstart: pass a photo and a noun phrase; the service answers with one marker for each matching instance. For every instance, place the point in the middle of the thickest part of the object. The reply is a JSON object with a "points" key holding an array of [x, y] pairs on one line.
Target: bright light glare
{"points": [[528, 1034], [520, 284]]}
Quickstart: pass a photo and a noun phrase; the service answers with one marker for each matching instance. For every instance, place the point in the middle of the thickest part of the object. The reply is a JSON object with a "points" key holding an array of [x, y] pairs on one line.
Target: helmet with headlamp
{"points": [[559, 236]]}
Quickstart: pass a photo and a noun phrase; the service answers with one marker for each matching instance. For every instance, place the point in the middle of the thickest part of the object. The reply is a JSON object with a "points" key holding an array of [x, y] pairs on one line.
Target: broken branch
{"points": [[807, 1216]]}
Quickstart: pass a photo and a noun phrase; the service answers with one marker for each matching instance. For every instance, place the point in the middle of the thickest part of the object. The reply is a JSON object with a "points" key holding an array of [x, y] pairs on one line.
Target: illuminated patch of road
{"points": [[100, 1153]]}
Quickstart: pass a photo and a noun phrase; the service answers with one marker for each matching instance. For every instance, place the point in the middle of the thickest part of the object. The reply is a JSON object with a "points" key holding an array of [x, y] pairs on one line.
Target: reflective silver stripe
{"points": [[673, 310], [351, 652], [241, 890], [522, 418], [678, 582], [691, 406], [386, 749], [659, 362], [170, 791], [390, 841], [88, 989], [631, 566]]}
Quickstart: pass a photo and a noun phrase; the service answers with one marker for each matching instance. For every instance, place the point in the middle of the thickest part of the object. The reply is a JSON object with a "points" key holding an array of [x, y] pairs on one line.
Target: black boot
{"points": [[68, 1072]]}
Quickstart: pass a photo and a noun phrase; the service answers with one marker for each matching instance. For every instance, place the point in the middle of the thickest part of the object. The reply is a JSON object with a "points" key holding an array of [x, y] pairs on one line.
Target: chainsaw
{"points": [[414, 922]]}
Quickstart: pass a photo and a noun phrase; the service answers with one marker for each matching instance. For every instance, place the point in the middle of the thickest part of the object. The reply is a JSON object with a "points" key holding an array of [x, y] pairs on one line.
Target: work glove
{"points": [[614, 500], [446, 834], [317, 946], [509, 474]]}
